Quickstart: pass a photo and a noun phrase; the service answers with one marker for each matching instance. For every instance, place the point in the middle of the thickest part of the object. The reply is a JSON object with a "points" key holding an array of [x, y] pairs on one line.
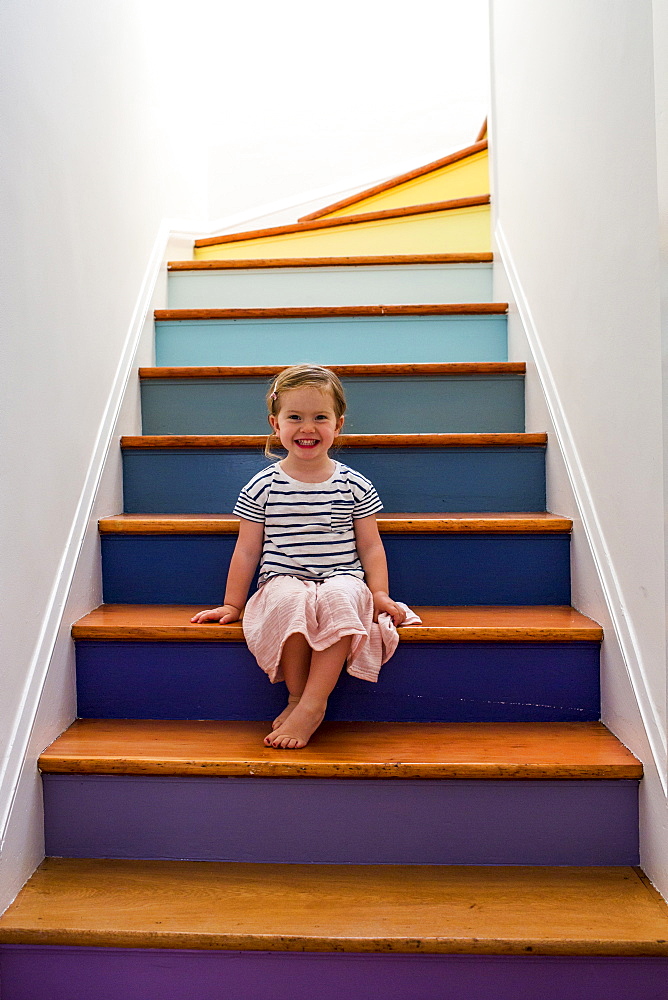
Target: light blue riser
{"points": [[331, 340], [444, 569], [399, 405], [208, 481], [342, 821], [283, 287]]}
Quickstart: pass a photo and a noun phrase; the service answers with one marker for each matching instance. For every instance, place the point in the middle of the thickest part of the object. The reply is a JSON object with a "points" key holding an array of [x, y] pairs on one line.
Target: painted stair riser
{"points": [[331, 340], [276, 288], [342, 821], [427, 404], [62, 973], [203, 481], [423, 682], [424, 569]]}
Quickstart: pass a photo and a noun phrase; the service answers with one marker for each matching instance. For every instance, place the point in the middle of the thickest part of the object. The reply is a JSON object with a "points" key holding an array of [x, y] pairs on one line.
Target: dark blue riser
{"points": [[331, 340], [424, 569], [200, 481], [423, 682], [342, 821], [60, 973], [427, 404]]}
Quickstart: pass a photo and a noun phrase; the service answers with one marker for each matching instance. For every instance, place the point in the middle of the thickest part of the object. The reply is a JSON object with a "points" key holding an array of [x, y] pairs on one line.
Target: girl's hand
{"points": [[383, 602], [224, 615]]}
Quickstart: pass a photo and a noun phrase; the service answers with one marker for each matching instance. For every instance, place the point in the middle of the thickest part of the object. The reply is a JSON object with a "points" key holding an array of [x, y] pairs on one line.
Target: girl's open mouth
{"points": [[308, 443]]}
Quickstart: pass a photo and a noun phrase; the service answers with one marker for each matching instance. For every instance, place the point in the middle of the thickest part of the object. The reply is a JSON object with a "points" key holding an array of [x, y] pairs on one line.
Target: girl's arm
{"points": [[243, 564], [372, 556]]}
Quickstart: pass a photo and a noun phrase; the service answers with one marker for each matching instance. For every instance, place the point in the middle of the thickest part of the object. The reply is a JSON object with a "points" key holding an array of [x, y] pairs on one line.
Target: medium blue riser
{"points": [[423, 682], [198, 481], [331, 340], [342, 821], [60, 973], [402, 405], [424, 569]]}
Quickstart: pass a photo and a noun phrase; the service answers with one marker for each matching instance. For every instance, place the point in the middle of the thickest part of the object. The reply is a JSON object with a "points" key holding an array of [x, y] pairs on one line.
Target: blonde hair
{"points": [[297, 377]]}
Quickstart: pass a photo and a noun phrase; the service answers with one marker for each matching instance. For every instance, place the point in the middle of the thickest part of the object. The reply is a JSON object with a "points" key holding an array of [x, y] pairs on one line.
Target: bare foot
{"points": [[297, 730], [293, 700]]}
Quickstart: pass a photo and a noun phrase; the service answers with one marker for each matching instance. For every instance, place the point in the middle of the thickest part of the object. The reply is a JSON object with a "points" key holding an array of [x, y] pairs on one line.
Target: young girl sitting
{"points": [[323, 576]]}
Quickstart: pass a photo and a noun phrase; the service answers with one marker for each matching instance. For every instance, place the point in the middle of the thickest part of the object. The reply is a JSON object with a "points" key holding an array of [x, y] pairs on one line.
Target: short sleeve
{"points": [[368, 503], [251, 503]]}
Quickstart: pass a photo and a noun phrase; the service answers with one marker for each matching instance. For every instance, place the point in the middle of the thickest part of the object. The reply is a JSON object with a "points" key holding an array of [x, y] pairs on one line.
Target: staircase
{"points": [[466, 828]]}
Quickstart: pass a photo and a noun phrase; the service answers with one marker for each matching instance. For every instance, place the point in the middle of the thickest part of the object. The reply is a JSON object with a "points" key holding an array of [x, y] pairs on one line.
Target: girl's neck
{"points": [[307, 472]]}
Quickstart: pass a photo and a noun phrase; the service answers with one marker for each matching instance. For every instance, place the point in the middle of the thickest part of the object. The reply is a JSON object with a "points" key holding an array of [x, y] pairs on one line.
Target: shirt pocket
{"points": [[341, 515]]}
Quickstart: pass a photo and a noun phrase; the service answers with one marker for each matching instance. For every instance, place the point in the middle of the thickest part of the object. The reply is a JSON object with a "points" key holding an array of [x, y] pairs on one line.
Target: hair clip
{"points": [[274, 395]]}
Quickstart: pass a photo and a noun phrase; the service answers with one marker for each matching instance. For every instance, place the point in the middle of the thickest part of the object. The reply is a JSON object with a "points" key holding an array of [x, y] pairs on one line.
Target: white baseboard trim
{"points": [[18, 742], [609, 579]]}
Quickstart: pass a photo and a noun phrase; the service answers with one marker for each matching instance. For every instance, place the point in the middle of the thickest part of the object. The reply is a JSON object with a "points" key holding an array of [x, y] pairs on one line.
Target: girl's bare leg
{"points": [[295, 661], [296, 730]]}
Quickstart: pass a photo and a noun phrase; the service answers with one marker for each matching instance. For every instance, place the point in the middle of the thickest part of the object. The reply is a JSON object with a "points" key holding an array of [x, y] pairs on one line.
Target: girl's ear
{"points": [[273, 422], [339, 424]]}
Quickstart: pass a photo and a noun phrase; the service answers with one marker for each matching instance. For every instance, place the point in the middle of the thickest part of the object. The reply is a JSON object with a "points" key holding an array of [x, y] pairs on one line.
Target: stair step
{"points": [[204, 473], [549, 751], [329, 281], [454, 332], [171, 623], [457, 175], [421, 523], [403, 909], [381, 398], [487, 793], [351, 224], [452, 567]]}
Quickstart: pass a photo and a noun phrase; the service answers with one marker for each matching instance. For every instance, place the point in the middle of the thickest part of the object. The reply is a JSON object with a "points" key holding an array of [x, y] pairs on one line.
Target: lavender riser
{"points": [[342, 821], [208, 480], [422, 682], [437, 569], [61, 973]]}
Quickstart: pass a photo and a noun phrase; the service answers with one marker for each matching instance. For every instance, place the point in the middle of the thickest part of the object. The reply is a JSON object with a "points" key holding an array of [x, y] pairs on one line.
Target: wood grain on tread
{"points": [[347, 220], [480, 750], [343, 441], [411, 175], [415, 909], [228, 524], [343, 371], [369, 261], [322, 312], [171, 623]]}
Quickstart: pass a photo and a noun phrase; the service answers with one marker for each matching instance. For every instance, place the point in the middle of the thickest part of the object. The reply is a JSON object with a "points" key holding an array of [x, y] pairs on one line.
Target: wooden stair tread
{"points": [[353, 908], [482, 750], [343, 441], [171, 623], [270, 262], [343, 371], [388, 523], [411, 175], [452, 205], [322, 312]]}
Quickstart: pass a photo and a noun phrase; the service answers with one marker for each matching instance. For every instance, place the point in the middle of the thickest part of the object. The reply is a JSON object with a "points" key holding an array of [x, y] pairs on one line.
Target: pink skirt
{"points": [[323, 613]]}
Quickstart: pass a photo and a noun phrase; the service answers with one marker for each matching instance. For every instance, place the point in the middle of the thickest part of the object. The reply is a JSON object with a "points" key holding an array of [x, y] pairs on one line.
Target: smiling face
{"points": [[307, 426]]}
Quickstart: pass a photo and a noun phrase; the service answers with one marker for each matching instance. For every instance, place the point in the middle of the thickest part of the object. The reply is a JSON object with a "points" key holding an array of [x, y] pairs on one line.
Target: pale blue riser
{"points": [[60, 973], [400, 405], [191, 481], [388, 284], [331, 340], [342, 821]]}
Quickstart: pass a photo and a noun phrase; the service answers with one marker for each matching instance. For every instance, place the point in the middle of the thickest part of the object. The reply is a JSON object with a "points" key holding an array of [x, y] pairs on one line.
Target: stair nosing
{"points": [[324, 312], [408, 370], [234, 441], [259, 263]]}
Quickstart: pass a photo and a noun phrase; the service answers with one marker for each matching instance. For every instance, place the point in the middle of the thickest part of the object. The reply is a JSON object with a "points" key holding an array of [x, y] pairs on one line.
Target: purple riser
{"points": [[49, 973], [342, 821]]}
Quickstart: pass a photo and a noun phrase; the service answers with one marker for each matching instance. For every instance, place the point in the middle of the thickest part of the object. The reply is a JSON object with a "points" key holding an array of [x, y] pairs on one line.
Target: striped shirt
{"points": [[308, 527]]}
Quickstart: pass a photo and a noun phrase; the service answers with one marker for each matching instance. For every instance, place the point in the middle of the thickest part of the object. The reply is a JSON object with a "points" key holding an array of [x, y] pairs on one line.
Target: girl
{"points": [[312, 520]]}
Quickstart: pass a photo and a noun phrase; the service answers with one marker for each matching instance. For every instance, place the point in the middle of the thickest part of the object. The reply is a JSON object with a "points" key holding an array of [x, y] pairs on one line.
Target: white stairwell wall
{"points": [[574, 123]]}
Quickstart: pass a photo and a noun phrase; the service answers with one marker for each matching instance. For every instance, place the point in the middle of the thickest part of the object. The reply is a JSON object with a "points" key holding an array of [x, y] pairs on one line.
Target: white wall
{"points": [[576, 205]]}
